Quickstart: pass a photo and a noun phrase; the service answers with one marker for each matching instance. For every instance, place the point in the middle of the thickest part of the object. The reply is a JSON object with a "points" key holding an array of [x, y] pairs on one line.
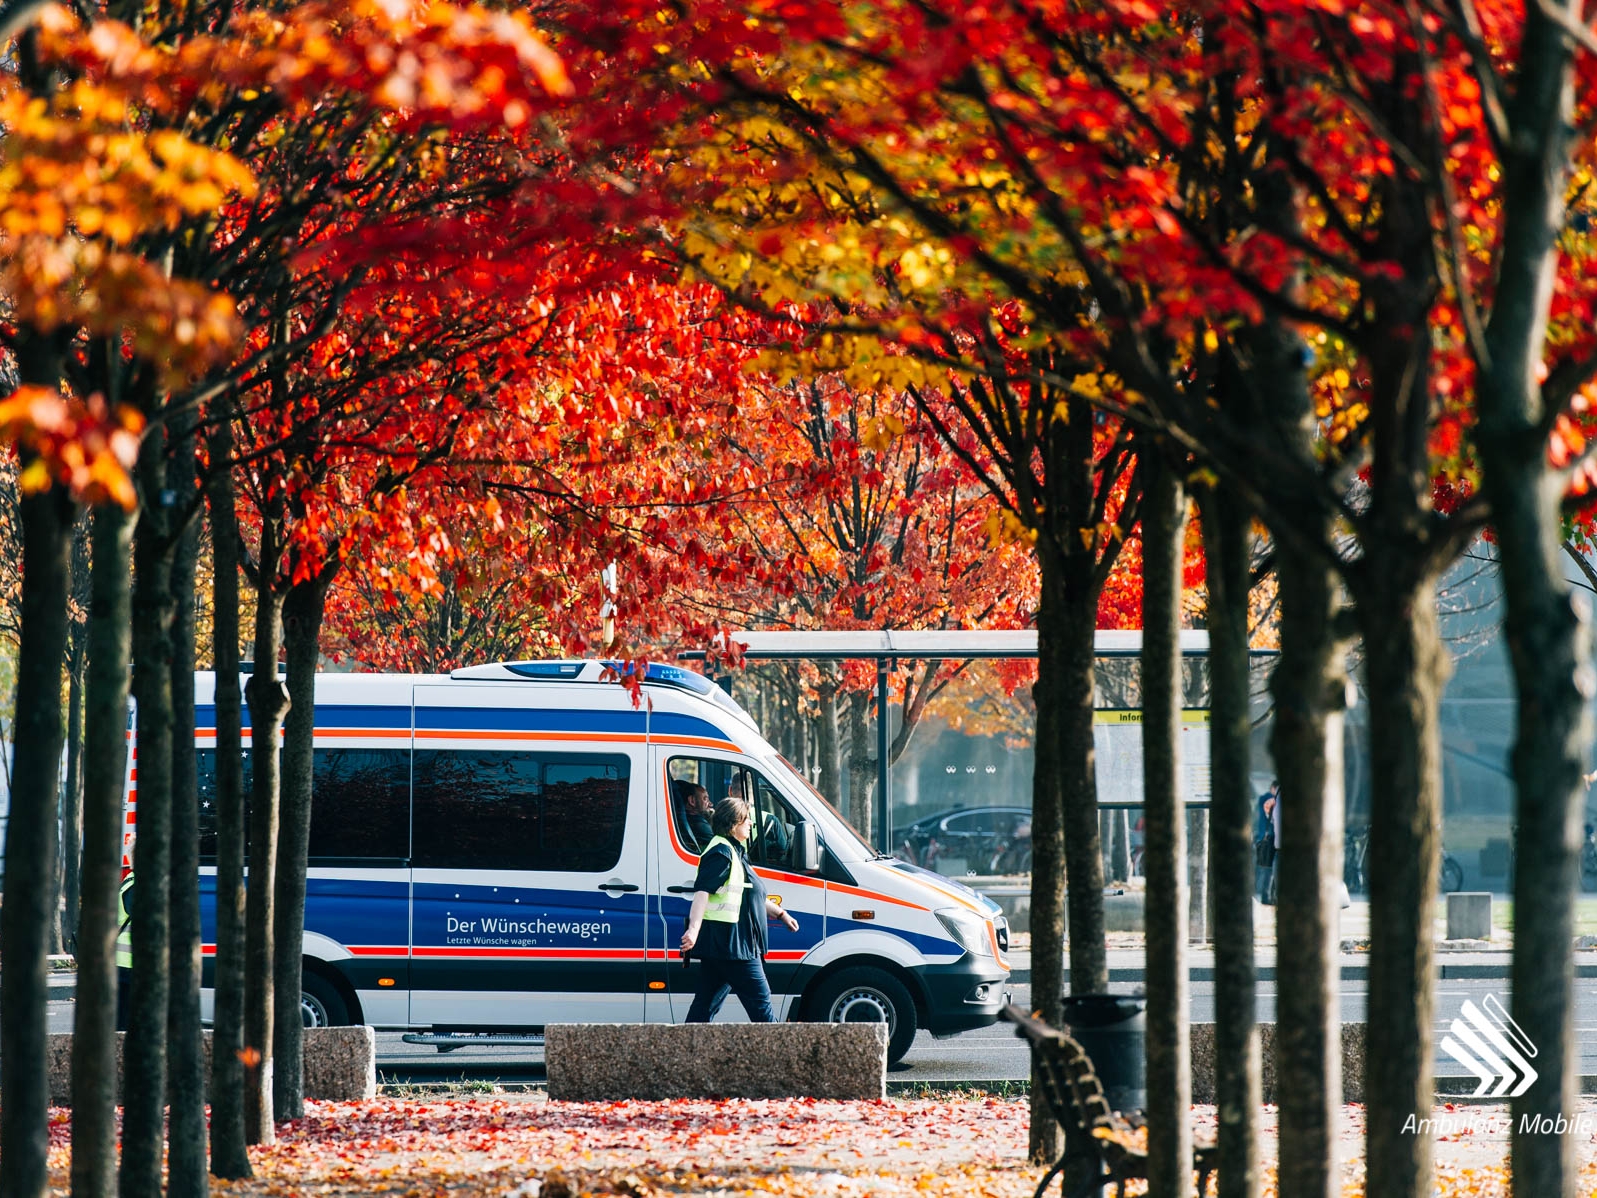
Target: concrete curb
{"points": [[1350, 972]]}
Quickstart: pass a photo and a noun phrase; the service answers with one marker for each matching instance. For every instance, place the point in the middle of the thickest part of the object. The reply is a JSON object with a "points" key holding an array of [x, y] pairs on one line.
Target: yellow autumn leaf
{"points": [[35, 477]]}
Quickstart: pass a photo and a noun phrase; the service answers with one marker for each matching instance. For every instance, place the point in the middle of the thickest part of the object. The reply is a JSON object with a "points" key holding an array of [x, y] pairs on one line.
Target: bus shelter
{"points": [[886, 648]]}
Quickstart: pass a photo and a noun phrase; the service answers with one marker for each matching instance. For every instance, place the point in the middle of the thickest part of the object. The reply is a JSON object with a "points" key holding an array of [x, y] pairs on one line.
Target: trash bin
{"points": [[1112, 1030]]}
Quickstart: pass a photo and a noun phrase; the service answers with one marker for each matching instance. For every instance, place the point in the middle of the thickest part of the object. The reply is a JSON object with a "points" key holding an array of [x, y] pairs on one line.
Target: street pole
{"points": [[884, 776]]}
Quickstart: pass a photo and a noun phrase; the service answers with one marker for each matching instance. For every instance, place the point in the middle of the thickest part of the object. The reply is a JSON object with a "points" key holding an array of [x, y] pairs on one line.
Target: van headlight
{"points": [[968, 929]]}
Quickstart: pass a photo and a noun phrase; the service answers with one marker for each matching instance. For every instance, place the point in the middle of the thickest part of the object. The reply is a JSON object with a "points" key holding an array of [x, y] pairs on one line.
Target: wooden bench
{"points": [[1074, 1094]]}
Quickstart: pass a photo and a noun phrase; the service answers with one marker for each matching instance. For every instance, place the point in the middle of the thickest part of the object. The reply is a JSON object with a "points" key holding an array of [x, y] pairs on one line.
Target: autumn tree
{"points": [[1284, 167], [862, 519], [85, 189], [232, 70]]}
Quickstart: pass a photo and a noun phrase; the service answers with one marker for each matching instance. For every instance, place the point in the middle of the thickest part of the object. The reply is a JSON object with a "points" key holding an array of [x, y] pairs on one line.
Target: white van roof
{"points": [[363, 687]]}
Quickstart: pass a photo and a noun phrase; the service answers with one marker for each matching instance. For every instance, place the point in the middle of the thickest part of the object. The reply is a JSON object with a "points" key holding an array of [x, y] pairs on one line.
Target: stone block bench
{"points": [[340, 1064], [591, 1062]]}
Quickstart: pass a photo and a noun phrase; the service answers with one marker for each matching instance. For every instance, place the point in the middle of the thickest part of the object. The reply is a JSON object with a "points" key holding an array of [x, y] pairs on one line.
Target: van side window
{"points": [[775, 824], [360, 804], [697, 781], [504, 810], [691, 804]]}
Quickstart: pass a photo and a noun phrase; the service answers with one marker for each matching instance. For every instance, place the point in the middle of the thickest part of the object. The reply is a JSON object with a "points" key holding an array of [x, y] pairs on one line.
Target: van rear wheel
{"points": [[320, 1003], [866, 995]]}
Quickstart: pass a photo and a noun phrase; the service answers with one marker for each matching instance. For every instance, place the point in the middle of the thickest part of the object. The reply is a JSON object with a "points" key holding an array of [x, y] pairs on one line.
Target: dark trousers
{"points": [[124, 997], [744, 978]]}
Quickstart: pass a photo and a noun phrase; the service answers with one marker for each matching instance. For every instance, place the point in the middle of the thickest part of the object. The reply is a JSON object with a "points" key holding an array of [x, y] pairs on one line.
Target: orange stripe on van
{"points": [[777, 875], [992, 937], [696, 742], [881, 898], [510, 735]]}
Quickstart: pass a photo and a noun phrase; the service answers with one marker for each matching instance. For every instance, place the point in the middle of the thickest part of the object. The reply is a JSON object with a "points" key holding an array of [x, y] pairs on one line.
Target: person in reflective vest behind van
{"points": [[124, 951], [726, 921]]}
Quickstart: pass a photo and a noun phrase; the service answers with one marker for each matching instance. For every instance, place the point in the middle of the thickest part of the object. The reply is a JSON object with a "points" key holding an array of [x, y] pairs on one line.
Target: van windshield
{"points": [[857, 847]]}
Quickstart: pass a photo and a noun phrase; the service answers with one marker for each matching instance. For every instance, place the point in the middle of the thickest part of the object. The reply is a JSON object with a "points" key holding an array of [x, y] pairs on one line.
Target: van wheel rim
{"points": [[311, 1011], [863, 1005]]}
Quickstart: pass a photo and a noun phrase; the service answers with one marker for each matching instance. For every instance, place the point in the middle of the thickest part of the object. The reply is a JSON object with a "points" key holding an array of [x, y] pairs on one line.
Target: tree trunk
{"points": [[1548, 633], [1064, 821], [302, 628], [1047, 844], [268, 702], [1549, 642], [29, 905], [1407, 668], [827, 748], [1310, 690], [229, 1155], [144, 1048], [188, 1176], [1165, 845], [1236, 1037], [861, 767], [72, 793], [1077, 763], [110, 628]]}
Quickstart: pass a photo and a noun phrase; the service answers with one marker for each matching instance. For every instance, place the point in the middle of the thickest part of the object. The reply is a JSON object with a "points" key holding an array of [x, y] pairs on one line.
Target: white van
{"points": [[503, 847]]}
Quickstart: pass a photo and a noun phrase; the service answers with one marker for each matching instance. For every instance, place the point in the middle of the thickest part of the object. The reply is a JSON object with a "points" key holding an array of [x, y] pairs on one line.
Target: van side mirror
{"points": [[809, 848]]}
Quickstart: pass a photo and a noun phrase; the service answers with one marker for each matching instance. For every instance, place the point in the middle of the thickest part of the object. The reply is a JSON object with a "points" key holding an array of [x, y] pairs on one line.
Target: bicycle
{"points": [[1449, 873]]}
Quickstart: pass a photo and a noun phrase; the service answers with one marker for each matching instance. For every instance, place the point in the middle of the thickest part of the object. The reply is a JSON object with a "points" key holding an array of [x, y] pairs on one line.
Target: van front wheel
{"points": [[865, 995], [320, 1003]]}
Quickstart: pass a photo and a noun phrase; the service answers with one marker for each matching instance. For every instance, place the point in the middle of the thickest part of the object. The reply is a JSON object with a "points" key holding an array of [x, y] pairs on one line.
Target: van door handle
{"points": [[616, 886], [680, 889]]}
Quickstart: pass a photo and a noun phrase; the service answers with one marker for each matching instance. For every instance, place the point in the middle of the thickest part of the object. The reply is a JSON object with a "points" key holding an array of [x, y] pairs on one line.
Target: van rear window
{"points": [[360, 804], [505, 810]]}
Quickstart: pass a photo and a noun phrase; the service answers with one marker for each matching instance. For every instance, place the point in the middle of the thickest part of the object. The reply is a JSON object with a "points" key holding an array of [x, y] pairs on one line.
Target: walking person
{"points": [[726, 929], [1275, 825], [124, 952], [1265, 842]]}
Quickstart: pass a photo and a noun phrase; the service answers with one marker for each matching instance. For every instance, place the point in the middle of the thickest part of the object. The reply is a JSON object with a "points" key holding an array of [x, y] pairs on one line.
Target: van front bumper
{"points": [[964, 995]]}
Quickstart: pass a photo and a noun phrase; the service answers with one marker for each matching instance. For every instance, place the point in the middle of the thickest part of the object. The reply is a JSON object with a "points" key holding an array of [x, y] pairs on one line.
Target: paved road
{"points": [[995, 1054], [990, 1055]]}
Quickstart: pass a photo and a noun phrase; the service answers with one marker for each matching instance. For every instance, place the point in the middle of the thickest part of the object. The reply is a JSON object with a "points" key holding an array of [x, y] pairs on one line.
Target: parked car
{"points": [[970, 840]]}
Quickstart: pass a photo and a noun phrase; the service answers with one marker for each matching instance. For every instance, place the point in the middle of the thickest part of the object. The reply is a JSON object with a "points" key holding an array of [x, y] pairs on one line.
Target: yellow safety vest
{"points": [[727, 902], [124, 928]]}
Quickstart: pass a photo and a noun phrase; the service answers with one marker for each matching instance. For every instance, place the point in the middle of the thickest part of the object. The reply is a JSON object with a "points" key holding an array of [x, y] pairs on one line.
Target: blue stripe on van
{"points": [[348, 910], [538, 719], [331, 715], [494, 719]]}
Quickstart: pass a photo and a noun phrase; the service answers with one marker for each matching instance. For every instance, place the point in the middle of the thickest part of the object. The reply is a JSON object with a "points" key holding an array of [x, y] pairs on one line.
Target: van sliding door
{"points": [[528, 884]]}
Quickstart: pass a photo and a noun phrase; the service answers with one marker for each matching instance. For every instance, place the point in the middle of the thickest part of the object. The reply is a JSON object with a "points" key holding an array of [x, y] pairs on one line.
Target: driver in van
{"points": [[697, 811], [726, 921]]}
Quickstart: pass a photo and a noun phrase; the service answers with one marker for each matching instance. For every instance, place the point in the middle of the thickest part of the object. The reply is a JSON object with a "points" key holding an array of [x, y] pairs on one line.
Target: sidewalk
{"points": [[1130, 965], [1454, 959], [530, 1147]]}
